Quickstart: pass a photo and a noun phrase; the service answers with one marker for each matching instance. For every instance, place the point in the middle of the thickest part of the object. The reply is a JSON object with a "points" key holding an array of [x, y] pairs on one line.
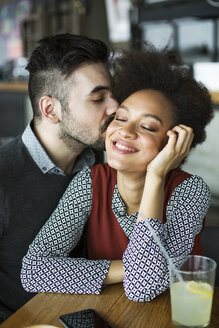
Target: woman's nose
{"points": [[128, 131]]}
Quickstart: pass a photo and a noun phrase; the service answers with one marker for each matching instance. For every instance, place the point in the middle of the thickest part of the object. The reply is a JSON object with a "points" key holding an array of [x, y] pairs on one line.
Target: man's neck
{"points": [[61, 155]]}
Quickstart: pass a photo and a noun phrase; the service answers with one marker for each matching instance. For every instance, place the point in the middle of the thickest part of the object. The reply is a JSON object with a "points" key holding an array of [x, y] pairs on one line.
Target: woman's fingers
{"points": [[184, 140], [171, 144], [173, 153]]}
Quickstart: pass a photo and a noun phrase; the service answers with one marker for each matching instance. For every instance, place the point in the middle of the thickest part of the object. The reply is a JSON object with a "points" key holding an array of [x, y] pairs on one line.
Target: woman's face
{"points": [[138, 131]]}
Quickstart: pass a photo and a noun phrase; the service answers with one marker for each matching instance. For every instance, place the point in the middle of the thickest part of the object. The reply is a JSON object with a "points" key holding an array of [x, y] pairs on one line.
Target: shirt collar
{"points": [[40, 157]]}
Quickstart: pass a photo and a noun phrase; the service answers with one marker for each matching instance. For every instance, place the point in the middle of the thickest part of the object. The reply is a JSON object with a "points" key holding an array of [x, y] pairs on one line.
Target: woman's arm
{"points": [[146, 270], [170, 157], [115, 273], [47, 266]]}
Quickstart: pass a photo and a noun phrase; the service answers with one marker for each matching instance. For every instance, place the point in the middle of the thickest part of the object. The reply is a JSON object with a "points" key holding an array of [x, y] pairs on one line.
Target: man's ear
{"points": [[50, 109]]}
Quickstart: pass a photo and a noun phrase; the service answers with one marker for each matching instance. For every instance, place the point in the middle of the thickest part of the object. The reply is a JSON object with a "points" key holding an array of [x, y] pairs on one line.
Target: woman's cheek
{"points": [[108, 135], [107, 143], [151, 151], [164, 142]]}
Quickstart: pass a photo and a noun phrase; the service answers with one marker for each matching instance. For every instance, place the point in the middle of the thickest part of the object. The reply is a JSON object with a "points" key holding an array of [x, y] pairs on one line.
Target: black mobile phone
{"points": [[88, 318]]}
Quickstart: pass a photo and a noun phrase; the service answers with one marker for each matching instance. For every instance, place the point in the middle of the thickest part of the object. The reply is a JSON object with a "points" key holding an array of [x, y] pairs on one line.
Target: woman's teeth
{"points": [[120, 146]]}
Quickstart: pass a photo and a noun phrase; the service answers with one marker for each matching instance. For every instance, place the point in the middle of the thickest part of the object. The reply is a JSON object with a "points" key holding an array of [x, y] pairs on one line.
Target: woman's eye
{"points": [[147, 128]]}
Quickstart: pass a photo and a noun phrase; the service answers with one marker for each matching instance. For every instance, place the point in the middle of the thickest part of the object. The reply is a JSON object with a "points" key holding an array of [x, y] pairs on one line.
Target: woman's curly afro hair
{"points": [[155, 69]]}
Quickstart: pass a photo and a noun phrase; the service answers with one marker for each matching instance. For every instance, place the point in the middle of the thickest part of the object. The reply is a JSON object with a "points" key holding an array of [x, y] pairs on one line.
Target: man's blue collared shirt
{"points": [[43, 161]]}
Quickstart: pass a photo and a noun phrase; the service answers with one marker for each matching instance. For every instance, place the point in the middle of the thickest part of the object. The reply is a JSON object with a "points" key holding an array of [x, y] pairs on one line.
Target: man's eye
{"points": [[100, 100], [120, 119]]}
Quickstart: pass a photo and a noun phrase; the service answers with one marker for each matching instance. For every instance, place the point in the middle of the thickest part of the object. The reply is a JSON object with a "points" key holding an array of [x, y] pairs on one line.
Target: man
{"points": [[70, 93]]}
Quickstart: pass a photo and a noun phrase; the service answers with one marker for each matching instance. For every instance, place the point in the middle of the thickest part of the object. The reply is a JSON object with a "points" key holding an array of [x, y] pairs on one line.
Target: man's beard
{"points": [[77, 138]]}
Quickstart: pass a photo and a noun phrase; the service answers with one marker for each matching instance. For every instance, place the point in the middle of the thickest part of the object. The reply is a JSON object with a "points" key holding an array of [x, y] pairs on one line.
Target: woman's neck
{"points": [[130, 186]]}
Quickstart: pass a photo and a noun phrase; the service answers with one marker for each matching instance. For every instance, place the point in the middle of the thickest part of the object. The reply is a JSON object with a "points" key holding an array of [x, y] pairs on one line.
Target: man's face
{"points": [[90, 108]]}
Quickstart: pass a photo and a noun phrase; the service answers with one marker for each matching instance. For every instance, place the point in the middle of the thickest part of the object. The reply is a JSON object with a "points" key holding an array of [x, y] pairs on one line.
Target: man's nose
{"points": [[112, 107]]}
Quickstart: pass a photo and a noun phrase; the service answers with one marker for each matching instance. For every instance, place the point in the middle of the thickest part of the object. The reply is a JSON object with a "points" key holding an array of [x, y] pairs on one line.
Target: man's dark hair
{"points": [[55, 59], [158, 70]]}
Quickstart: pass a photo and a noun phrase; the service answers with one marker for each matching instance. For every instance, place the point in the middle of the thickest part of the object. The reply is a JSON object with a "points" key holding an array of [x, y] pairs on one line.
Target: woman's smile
{"points": [[123, 147]]}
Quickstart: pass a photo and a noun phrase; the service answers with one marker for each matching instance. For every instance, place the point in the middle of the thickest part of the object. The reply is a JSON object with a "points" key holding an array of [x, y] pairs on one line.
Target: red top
{"points": [[105, 237]]}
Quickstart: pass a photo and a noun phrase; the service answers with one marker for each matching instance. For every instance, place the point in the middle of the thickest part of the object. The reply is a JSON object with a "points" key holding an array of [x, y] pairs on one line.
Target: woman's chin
{"points": [[126, 167], [117, 165]]}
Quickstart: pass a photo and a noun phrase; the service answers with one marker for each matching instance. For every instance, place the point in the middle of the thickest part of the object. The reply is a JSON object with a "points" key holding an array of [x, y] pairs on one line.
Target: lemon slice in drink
{"points": [[201, 288]]}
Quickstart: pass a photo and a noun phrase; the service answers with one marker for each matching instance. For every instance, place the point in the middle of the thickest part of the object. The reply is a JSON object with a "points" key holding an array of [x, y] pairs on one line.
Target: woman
{"points": [[163, 114]]}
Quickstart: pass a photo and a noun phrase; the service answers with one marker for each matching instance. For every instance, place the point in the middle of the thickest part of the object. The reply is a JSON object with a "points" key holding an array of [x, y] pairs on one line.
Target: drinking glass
{"points": [[191, 291]]}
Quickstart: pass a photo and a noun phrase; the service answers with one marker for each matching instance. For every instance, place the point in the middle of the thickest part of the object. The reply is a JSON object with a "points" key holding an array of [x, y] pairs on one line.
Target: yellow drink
{"points": [[191, 303]]}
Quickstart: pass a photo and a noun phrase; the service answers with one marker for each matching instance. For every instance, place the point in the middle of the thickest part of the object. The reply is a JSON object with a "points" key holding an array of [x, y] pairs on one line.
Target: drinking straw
{"points": [[171, 265]]}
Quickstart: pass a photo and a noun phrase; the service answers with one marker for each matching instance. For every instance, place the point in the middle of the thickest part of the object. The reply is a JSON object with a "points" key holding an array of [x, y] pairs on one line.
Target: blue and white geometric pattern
{"points": [[47, 267], [43, 161], [127, 222], [146, 268]]}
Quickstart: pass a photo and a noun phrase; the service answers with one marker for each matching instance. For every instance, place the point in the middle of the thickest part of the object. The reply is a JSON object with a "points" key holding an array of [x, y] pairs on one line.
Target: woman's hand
{"points": [[176, 149], [170, 157]]}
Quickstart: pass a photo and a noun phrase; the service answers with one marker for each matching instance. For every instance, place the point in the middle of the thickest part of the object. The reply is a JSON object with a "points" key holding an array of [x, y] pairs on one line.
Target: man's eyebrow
{"points": [[99, 88], [143, 114]]}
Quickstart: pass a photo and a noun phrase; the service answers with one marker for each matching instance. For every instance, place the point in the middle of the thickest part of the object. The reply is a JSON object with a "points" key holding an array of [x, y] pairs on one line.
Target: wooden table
{"points": [[45, 308]]}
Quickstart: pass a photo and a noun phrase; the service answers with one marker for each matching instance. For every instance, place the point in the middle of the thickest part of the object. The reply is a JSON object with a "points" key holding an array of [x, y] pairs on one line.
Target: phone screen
{"points": [[84, 319]]}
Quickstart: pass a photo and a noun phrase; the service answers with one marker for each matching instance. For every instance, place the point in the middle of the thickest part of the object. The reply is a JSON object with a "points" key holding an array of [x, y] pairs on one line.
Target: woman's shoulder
{"points": [[182, 182], [83, 177], [179, 181], [94, 174], [102, 170], [177, 176], [103, 177]]}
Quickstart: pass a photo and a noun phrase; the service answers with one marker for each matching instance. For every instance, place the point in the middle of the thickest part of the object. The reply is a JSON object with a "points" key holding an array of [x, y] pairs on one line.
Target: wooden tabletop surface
{"points": [[46, 308]]}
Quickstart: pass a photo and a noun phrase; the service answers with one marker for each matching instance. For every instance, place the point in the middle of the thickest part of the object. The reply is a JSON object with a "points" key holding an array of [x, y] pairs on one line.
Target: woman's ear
{"points": [[50, 109]]}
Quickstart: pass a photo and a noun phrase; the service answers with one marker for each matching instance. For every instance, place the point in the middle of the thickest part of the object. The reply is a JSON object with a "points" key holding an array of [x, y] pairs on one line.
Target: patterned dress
{"points": [[92, 202]]}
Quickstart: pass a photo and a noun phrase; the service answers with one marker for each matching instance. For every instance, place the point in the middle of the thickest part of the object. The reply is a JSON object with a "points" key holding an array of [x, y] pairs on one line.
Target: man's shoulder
{"points": [[10, 146], [9, 152]]}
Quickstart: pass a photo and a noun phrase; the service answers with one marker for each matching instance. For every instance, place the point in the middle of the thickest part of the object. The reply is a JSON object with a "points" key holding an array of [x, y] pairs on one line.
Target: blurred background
{"points": [[190, 27]]}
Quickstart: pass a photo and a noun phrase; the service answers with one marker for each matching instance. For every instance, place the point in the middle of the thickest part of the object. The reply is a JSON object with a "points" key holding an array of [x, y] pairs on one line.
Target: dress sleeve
{"points": [[146, 268], [47, 266]]}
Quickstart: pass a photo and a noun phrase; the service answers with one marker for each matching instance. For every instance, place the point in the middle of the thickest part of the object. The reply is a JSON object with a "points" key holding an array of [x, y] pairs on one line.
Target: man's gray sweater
{"points": [[27, 199]]}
